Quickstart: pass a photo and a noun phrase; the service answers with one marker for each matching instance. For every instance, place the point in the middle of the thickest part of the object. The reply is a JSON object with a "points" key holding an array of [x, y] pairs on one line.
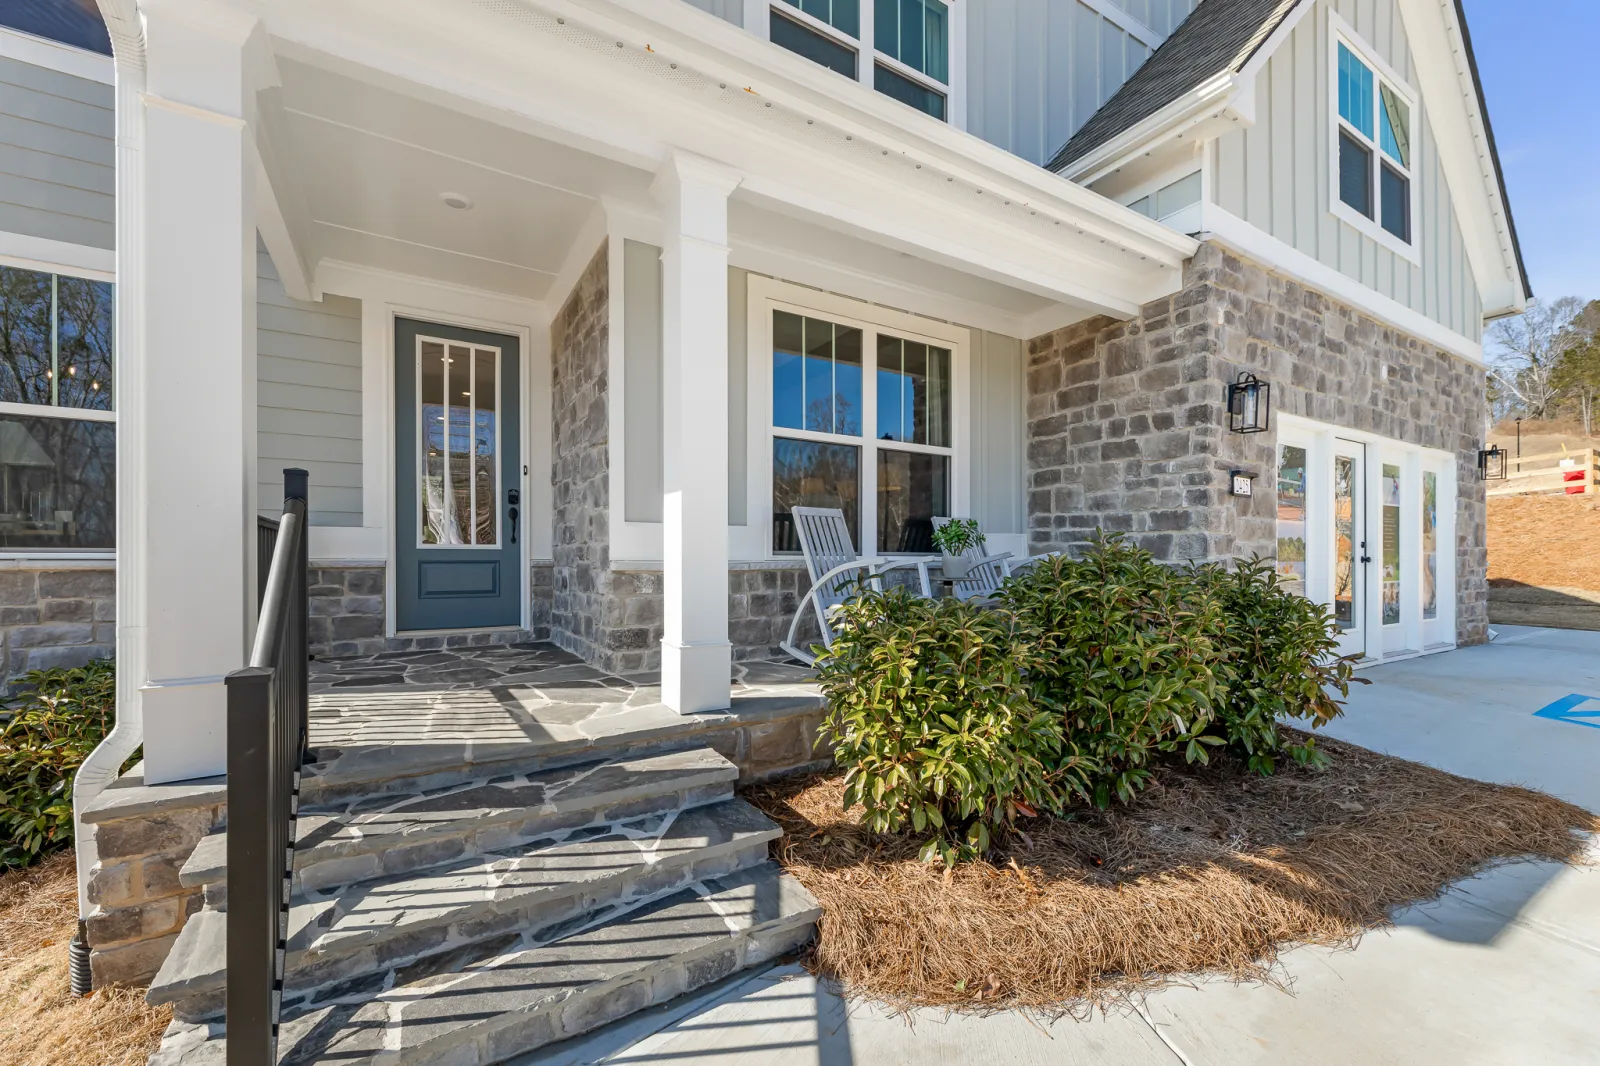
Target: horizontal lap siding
{"points": [[308, 399], [1278, 174], [57, 155], [1037, 69]]}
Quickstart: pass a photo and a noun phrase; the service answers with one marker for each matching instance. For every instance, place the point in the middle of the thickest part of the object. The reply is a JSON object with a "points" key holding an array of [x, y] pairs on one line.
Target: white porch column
{"points": [[696, 656], [187, 430]]}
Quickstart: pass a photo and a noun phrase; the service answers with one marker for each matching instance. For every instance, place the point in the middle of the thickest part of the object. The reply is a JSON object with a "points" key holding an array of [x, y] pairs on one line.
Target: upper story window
{"points": [[1374, 143], [57, 427], [906, 42]]}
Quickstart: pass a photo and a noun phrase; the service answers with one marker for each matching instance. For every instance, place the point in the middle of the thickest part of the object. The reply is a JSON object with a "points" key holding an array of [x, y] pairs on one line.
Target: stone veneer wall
{"points": [[1127, 427], [347, 614], [589, 606], [54, 616]]}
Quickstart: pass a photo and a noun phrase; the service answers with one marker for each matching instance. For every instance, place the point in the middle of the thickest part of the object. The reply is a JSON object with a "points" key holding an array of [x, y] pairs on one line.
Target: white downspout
{"points": [[100, 769]]}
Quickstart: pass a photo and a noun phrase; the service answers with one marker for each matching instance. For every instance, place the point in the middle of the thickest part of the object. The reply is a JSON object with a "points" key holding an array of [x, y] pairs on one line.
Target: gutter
{"points": [[101, 767]]}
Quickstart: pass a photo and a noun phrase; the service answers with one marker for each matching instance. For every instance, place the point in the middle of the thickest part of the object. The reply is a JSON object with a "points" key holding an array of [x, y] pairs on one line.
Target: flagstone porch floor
{"points": [[460, 709]]}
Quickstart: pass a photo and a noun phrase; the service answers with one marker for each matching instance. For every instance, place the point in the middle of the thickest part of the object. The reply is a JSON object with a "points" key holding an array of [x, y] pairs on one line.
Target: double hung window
{"points": [[57, 423], [906, 55], [1374, 144], [861, 421]]}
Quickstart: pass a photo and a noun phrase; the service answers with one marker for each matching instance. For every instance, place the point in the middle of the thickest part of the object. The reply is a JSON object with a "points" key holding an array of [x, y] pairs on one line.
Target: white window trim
{"points": [[1341, 32], [757, 16], [766, 295]]}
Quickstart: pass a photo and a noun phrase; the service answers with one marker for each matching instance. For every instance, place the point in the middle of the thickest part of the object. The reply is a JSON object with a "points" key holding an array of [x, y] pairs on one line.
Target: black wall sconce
{"points": [[1492, 464], [1249, 404]]}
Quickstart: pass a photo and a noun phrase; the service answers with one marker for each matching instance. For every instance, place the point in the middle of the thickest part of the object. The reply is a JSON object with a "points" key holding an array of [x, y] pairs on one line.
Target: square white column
{"points": [[186, 444], [696, 655]]}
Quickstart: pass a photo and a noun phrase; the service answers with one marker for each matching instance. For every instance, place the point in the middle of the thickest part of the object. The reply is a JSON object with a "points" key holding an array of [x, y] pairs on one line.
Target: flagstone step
{"points": [[347, 936], [374, 837], [527, 993]]}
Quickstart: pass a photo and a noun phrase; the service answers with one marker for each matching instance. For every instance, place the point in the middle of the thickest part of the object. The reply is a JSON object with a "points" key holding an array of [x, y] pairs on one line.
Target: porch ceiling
{"points": [[371, 167]]}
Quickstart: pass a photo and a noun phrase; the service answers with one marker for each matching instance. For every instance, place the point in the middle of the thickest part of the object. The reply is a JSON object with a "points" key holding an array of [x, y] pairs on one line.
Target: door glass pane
{"points": [[1345, 495], [811, 474], [1391, 544], [432, 469], [83, 317], [458, 383], [1430, 545], [913, 488], [58, 482], [1292, 519], [485, 446]]}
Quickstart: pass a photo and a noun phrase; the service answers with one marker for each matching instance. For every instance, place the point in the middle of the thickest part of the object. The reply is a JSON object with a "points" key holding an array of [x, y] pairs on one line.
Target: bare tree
{"points": [[1577, 374], [1527, 349]]}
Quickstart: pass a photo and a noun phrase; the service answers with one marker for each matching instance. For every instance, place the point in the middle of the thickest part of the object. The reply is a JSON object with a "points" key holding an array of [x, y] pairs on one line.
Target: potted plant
{"points": [[953, 539]]}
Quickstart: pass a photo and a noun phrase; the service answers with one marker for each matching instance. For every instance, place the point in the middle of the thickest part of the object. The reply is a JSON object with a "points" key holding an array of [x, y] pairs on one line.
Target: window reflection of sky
{"points": [[478, 438]]}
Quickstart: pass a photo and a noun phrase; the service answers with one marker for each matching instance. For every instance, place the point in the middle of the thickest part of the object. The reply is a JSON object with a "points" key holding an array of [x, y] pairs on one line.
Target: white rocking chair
{"points": [[833, 565]]}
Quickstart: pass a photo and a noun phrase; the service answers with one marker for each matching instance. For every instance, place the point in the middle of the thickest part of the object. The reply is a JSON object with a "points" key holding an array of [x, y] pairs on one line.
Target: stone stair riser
{"points": [[347, 866], [307, 972]]}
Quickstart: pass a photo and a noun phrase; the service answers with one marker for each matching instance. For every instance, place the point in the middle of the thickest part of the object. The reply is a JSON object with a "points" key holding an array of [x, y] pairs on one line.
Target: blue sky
{"points": [[1540, 66]]}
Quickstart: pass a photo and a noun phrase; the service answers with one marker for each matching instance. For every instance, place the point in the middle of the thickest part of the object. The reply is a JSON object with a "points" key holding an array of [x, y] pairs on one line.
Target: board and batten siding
{"points": [[1037, 69], [308, 400], [726, 10], [998, 473], [1277, 175], [57, 155]]}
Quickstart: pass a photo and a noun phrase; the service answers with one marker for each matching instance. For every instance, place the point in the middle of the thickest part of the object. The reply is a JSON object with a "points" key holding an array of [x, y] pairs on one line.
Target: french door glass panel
{"points": [[458, 469], [1346, 534], [1292, 518], [1390, 489], [1430, 545]]}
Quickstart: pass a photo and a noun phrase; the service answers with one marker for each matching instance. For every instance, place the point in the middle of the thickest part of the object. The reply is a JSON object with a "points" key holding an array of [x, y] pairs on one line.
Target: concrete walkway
{"points": [[1503, 969]]}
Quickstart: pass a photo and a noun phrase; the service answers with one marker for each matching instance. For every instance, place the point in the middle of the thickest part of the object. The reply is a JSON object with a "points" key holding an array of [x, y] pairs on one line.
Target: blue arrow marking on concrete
{"points": [[1563, 710]]}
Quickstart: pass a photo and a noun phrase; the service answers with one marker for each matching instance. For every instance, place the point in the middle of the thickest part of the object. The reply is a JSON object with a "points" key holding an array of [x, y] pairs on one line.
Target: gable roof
{"points": [[1219, 37]]}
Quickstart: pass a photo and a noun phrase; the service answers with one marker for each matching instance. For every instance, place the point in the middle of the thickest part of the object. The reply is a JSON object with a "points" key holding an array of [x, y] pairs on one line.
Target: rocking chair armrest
{"points": [[1014, 565]]}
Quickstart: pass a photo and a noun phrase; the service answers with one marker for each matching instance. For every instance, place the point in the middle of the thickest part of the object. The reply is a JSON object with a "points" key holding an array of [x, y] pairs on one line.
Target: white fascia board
{"points": [[53, 55], [1232, 97], [1276, 255], [1445, 80], [1214, 100], [57, 257], [724, 51]]}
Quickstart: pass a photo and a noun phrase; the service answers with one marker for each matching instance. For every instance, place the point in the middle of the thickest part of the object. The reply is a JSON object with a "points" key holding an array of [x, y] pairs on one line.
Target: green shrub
{"points": [[1281, 660], [931, 709], [1127, 654], [55, 724]]}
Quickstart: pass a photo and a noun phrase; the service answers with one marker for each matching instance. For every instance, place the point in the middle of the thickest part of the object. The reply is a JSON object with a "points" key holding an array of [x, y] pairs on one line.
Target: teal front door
{"points": [[458, 464]]}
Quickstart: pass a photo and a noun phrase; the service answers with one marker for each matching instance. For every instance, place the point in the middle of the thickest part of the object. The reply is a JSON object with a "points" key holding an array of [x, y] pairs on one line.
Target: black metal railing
{"points": [[267, 709]]}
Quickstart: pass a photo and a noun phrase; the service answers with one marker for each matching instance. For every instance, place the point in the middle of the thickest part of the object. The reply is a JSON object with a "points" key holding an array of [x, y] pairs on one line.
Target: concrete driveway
{"points": [[1504, 969]]}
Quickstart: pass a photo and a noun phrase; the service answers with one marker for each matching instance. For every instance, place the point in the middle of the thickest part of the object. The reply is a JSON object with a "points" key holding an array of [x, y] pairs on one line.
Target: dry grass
{"points": [[1210, 870], [41, 1022], [1545, 541]]}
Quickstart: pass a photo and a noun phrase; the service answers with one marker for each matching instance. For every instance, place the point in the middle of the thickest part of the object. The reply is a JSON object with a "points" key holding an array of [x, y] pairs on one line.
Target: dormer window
{"points": [[908, 42], [1373, 145]]}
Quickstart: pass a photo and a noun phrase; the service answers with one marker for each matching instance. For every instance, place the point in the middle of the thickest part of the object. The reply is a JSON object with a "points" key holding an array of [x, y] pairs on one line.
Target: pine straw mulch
{"points": [[1209, 870], [41, 1022]]}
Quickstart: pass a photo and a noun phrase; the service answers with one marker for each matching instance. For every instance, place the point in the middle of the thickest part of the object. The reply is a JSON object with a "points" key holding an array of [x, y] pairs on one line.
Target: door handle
{"points": [[513, 497]]}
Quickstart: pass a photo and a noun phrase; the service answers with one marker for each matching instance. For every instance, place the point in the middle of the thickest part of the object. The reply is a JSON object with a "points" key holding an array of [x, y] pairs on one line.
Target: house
{"points": [[564, 305]]}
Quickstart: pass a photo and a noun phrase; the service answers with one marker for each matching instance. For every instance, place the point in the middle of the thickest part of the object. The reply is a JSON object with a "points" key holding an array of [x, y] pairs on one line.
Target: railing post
{"points": [[297, 488], [254, 872]]}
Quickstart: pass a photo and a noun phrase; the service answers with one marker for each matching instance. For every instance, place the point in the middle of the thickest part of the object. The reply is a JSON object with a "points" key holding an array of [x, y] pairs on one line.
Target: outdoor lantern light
{"points": [[1491, 464], [1249, 404]]}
